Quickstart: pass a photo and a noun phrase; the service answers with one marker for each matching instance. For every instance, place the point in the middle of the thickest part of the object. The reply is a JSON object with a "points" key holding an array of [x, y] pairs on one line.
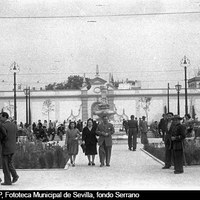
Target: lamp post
{"points": [[168, 97], [29, 103], [14, 68], [178, 88], [185, 62], [26, 91]]}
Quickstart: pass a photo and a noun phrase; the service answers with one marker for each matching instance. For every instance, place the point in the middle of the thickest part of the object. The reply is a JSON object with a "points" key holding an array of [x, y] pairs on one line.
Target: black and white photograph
{"points": [[99, 95]]}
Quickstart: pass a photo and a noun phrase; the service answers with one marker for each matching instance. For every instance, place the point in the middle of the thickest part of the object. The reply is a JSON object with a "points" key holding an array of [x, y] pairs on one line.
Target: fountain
{"points": [[103, 108]]}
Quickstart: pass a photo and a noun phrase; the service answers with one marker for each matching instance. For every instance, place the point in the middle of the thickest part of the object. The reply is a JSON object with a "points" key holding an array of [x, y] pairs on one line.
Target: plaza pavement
{"points": [[129, 170]]}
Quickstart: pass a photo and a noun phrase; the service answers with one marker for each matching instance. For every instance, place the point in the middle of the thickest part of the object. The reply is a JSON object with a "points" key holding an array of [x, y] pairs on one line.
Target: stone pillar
{"points": [[84, 100]]}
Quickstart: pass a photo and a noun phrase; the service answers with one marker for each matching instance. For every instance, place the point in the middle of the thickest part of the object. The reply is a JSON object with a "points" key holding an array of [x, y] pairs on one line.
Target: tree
{"points": [[145, 103], [9, 108], [47, 107], [74, 82]]}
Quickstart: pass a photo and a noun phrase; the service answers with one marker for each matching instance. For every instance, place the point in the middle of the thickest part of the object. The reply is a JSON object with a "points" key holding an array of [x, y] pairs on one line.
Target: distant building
{"points": [[194, 83], [129, 85]]}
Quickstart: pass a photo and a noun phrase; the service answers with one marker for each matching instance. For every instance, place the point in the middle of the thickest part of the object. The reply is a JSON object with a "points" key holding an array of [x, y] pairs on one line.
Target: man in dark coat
{"points": [[2, 138], [132, 133], [178, 136], [167, 140], [162, 126], [105, 131], [8, 149]]}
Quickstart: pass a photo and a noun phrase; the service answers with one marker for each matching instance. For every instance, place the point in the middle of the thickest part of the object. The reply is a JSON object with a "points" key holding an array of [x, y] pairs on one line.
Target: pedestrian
{"points": [[2, 138], [167, 140], [162, 125], [143, 130], [132, 133], [90, 140], [105, 131], [8, 150], [178, 136], [72, 136]]}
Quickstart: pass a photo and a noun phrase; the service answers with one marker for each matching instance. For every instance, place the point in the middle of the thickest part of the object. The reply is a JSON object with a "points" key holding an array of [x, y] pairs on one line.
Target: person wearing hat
{"points": [[143, 129], [177, 138], [167, 140]]}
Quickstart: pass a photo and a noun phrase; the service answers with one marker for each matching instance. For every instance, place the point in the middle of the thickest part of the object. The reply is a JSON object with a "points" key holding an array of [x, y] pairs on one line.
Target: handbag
{"points": [[83, 147]]}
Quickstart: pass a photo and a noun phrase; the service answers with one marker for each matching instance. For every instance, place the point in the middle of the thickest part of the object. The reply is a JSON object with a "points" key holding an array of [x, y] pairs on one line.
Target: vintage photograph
{"points": [[99, 95]]}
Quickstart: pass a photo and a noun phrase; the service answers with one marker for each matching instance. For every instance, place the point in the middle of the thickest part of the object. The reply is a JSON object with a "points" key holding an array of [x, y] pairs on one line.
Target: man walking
{"points": [[105, 131], [8, 149], [132, 133]]}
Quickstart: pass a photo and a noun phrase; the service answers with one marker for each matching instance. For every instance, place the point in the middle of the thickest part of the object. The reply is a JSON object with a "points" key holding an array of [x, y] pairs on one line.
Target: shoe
{"points": [[107, 165], [134, 149], [15, 179], [165, 167], [177, 172], [93, 163], [101, 165], [6, 183], [73, 165], [89, 163], [130, 149]]}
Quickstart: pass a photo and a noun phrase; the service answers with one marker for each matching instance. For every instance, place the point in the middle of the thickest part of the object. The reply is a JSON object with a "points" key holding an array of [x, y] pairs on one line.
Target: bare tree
{"points": [[47, 107], [145, 103], [9, 108]]}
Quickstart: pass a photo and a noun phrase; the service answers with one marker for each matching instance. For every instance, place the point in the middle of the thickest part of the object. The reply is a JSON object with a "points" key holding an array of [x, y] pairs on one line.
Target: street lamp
{"points": [[26, 92], [185, 62], [178, 88], [14, 68], [168, 97], [29, 103]]}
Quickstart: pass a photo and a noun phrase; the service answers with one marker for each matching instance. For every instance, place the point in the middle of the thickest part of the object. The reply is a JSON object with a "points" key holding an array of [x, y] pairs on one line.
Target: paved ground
{"points": [[129, 170]]}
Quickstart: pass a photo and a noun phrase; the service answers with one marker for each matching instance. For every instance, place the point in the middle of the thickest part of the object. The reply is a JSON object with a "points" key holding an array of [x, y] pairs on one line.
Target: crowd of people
{"points": [[172, 128]]}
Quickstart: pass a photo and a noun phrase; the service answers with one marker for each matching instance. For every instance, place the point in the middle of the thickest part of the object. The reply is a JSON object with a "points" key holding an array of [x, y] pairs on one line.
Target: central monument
{"points": [[103, 108]]}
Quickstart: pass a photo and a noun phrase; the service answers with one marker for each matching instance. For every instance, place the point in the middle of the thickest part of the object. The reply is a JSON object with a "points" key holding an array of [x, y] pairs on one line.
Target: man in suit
{"points": [[2, 137], [105, 131], [162, 126], [143, 129], [132, 133], [8, 149], [167, 140], [178, 136]]}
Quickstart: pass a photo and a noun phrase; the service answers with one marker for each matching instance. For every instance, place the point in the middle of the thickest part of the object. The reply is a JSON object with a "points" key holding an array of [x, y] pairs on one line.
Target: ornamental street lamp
{"points": [[178, 88], [185, 62], [14, 68]]}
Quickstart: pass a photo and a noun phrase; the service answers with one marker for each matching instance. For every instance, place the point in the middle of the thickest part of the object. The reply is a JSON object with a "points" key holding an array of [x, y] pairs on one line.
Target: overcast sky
{"points": [[138, 39]]}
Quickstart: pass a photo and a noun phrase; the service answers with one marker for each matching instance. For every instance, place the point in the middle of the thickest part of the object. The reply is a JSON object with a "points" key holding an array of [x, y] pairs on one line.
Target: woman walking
{"points": [[90, 141], [72, 136]]}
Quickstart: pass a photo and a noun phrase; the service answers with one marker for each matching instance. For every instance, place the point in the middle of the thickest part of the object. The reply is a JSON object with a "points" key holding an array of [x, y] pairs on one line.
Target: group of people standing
{"points": [[173, 133], [90, 132]]}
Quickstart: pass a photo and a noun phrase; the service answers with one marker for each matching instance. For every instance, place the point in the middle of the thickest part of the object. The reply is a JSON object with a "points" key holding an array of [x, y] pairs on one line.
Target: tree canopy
{"points": [[74, 82]]}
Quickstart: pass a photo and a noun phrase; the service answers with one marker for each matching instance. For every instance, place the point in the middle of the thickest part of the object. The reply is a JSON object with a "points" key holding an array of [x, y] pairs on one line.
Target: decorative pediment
{"points": [[97, 81]]}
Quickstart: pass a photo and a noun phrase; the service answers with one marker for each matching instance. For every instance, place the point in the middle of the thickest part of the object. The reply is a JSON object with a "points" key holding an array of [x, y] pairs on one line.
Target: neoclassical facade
{"points": [[81, 104]]}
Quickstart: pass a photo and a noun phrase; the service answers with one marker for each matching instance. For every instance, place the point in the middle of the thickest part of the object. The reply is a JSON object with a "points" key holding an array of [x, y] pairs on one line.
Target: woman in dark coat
{"points": [[90, 141]]}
